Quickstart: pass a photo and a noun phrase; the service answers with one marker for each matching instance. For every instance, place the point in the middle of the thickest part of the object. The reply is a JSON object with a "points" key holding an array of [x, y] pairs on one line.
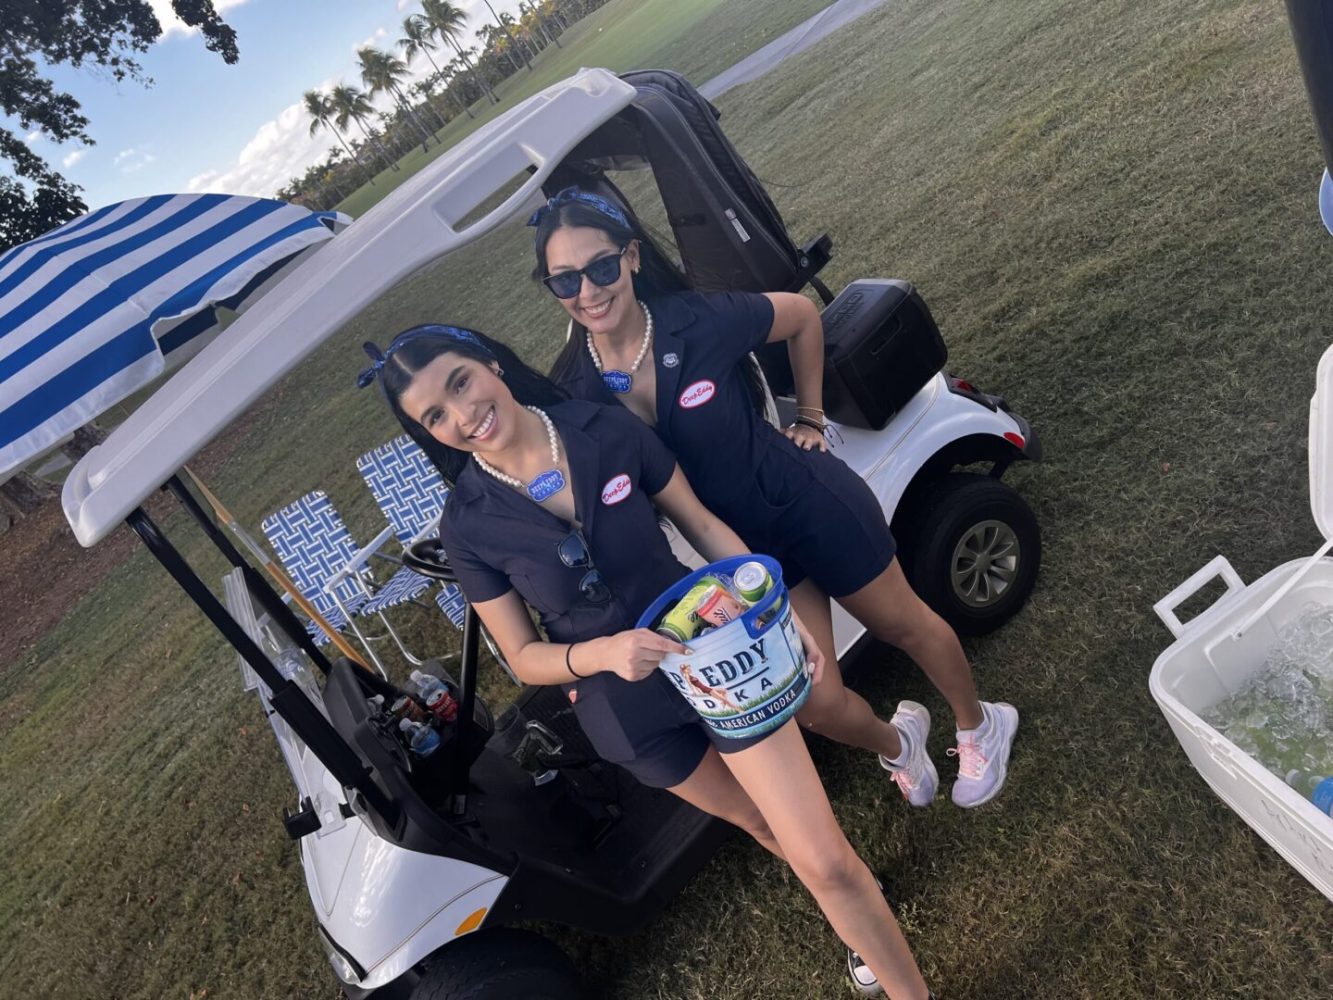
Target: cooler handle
{"points": [[1166, 607]]}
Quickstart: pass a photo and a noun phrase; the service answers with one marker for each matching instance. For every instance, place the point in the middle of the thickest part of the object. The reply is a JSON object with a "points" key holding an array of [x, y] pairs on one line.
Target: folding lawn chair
{"points": [[318, 552], [411, 493]]}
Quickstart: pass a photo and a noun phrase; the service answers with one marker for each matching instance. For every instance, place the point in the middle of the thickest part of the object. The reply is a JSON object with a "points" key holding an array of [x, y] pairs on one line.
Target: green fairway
{"points": [[1110, 208], [699, 38]]}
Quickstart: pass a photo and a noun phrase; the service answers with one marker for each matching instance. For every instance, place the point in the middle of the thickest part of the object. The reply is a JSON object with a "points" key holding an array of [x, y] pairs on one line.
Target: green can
{"points": [[752, 581], [673, 631]]}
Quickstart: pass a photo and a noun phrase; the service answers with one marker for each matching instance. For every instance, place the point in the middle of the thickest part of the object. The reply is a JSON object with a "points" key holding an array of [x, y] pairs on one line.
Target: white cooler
{"points": [[1216, 653]]}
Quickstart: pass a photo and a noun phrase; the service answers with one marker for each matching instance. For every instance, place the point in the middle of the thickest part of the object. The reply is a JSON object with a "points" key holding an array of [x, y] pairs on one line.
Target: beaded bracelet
{"points": [[569, 666], [810, 409]]}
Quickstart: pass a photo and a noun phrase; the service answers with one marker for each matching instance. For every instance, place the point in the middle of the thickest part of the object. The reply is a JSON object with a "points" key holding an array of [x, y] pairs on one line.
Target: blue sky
{"points": [[207, 126]]}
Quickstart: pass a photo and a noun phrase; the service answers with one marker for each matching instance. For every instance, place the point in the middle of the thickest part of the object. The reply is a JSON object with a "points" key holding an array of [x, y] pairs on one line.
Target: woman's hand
{"points": [[635, 653], [814, 658], [806, 437]]}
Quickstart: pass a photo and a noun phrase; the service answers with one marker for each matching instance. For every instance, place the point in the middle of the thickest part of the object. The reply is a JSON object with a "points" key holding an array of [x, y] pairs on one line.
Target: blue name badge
{"points": [[547, 484], [617, 381]]}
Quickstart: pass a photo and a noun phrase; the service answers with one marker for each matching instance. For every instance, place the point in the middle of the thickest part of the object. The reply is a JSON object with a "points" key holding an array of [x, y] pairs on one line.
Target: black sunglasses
{"points": [[601, 272], [573, 552]]}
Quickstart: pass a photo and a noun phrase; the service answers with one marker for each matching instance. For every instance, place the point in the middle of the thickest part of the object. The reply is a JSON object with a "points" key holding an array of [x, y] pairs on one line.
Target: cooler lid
{"points": [[1321, 446]]}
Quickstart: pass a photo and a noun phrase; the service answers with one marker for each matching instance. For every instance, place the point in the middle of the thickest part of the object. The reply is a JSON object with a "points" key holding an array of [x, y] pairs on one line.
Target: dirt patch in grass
{"points": [[44, 571]]}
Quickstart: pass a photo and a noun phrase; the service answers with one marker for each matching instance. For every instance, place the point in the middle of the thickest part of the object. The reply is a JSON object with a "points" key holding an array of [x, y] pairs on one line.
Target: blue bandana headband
{"points": [[378, 357], [572, 195]]}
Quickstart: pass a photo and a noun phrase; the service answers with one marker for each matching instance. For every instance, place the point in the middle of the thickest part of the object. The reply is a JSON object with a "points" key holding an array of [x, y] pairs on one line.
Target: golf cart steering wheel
{"points": [[427, 558]]}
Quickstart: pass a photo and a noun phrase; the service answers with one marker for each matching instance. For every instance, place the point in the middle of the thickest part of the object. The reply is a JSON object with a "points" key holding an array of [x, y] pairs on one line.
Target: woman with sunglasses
{"points": [[552, 507], [681, 361]]}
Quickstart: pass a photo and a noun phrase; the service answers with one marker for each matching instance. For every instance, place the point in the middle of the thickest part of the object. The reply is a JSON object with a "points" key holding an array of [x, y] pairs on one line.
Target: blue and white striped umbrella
{"points": [[105, 304]]}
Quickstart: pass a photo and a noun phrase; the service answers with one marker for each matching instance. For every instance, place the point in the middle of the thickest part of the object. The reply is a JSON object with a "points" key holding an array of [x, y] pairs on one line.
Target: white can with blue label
{"points": [[745, 678]]}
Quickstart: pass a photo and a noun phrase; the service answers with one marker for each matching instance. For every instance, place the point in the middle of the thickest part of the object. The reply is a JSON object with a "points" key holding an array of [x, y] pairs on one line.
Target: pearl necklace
{"points": [[618, 381], [546, 484]]}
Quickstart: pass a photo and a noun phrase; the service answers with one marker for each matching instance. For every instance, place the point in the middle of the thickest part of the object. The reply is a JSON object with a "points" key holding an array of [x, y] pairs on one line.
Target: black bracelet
{"points": [[568, 666], [816, 425]]}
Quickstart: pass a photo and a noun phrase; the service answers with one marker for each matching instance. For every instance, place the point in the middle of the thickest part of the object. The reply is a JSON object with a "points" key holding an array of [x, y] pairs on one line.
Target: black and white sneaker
{"points": [[865, 981], [862, 978]]}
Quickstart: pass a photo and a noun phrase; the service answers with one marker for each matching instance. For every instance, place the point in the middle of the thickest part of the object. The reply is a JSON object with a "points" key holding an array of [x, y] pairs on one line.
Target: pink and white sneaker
{"points": [[914, 773], [983, 755]]}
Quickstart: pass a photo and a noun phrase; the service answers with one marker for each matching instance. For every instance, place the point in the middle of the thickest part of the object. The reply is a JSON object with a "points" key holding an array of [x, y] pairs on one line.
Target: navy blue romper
{"points": [[806, 509], [498, 540]]}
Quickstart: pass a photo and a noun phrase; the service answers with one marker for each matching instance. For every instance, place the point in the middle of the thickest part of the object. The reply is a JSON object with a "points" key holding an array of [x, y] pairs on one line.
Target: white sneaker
{"points": [[916, 777], [862, 978], [858, 972], [983, 755]]}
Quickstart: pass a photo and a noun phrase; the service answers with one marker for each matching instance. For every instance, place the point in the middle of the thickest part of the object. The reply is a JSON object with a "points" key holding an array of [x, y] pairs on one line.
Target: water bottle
{"points": [[1315, 787], [423, 740], [291, 663], [427, 684]]}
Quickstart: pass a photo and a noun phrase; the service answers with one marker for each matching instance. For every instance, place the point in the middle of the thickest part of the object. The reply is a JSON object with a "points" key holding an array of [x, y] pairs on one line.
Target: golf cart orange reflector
{"points": [[1014, 439], [471, 922]]}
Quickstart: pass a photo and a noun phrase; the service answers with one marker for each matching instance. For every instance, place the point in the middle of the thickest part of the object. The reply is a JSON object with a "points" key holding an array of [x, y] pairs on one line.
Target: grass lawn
{"points": [[699, 38], [1111, 209]]}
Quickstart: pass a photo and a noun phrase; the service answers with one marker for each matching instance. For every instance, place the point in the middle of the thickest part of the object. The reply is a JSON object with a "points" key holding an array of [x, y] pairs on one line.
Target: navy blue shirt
{"points": [[498, 540], [737, 462]]}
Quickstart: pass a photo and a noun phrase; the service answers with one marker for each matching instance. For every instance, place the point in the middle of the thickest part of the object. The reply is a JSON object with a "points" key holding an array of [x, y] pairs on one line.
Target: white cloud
{"points": [[131, 160], [280, 150], [32, 137], [172, 25], [73, 158], [404, 4], [377, 40]]}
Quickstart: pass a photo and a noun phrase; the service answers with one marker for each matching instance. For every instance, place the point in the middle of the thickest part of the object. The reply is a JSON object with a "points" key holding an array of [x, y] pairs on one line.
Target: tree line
{"points": [[464, 72]]}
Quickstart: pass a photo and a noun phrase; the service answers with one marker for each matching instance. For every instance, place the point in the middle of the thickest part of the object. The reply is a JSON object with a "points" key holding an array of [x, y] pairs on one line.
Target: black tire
{"points": [[500, 964], [994, 521]]}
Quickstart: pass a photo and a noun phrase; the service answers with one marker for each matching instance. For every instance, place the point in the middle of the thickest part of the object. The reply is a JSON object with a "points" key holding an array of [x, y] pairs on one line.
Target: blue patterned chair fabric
{"points": [[313, 544], [411, 493]]}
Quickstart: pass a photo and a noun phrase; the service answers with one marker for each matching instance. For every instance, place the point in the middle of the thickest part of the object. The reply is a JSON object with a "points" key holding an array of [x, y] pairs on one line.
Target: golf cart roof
{"points": [[424, 219]]}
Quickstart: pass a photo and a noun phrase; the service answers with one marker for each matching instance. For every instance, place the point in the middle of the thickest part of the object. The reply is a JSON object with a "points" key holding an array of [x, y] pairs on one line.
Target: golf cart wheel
{"points": [[500, 964], [971, 547]]}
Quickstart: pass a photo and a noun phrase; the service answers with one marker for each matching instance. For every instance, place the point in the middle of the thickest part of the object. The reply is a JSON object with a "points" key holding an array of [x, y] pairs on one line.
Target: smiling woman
{"points": [[557, 511]]}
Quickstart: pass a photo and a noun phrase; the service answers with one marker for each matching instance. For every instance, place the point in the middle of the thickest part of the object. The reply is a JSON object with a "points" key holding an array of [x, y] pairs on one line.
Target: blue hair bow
{"points": [[574, 194], [378, 357]]}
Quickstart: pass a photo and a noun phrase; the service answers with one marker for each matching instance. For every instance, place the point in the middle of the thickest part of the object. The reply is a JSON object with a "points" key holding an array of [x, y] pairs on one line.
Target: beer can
{"points": [[442, 705], [719, 607], [752, 582], [684, 616], [407, 708], [673, 631]]}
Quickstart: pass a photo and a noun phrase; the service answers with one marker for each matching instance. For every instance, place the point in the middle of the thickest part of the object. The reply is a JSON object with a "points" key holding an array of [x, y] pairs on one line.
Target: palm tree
{"points": [[506, 30], [321, 111], [447, 22], [381, 71], [350, 104], [417, 37], [519, 35], [534, 12], [424, 92]]}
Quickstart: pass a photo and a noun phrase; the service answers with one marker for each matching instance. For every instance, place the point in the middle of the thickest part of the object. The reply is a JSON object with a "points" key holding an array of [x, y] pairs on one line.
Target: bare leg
{"points": [[832, 710], [715, 790], [780, 779], [890, 609]]}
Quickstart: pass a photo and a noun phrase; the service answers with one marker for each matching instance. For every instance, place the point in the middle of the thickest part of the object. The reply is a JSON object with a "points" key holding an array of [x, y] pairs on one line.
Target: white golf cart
{"points": [[419, 876]]}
